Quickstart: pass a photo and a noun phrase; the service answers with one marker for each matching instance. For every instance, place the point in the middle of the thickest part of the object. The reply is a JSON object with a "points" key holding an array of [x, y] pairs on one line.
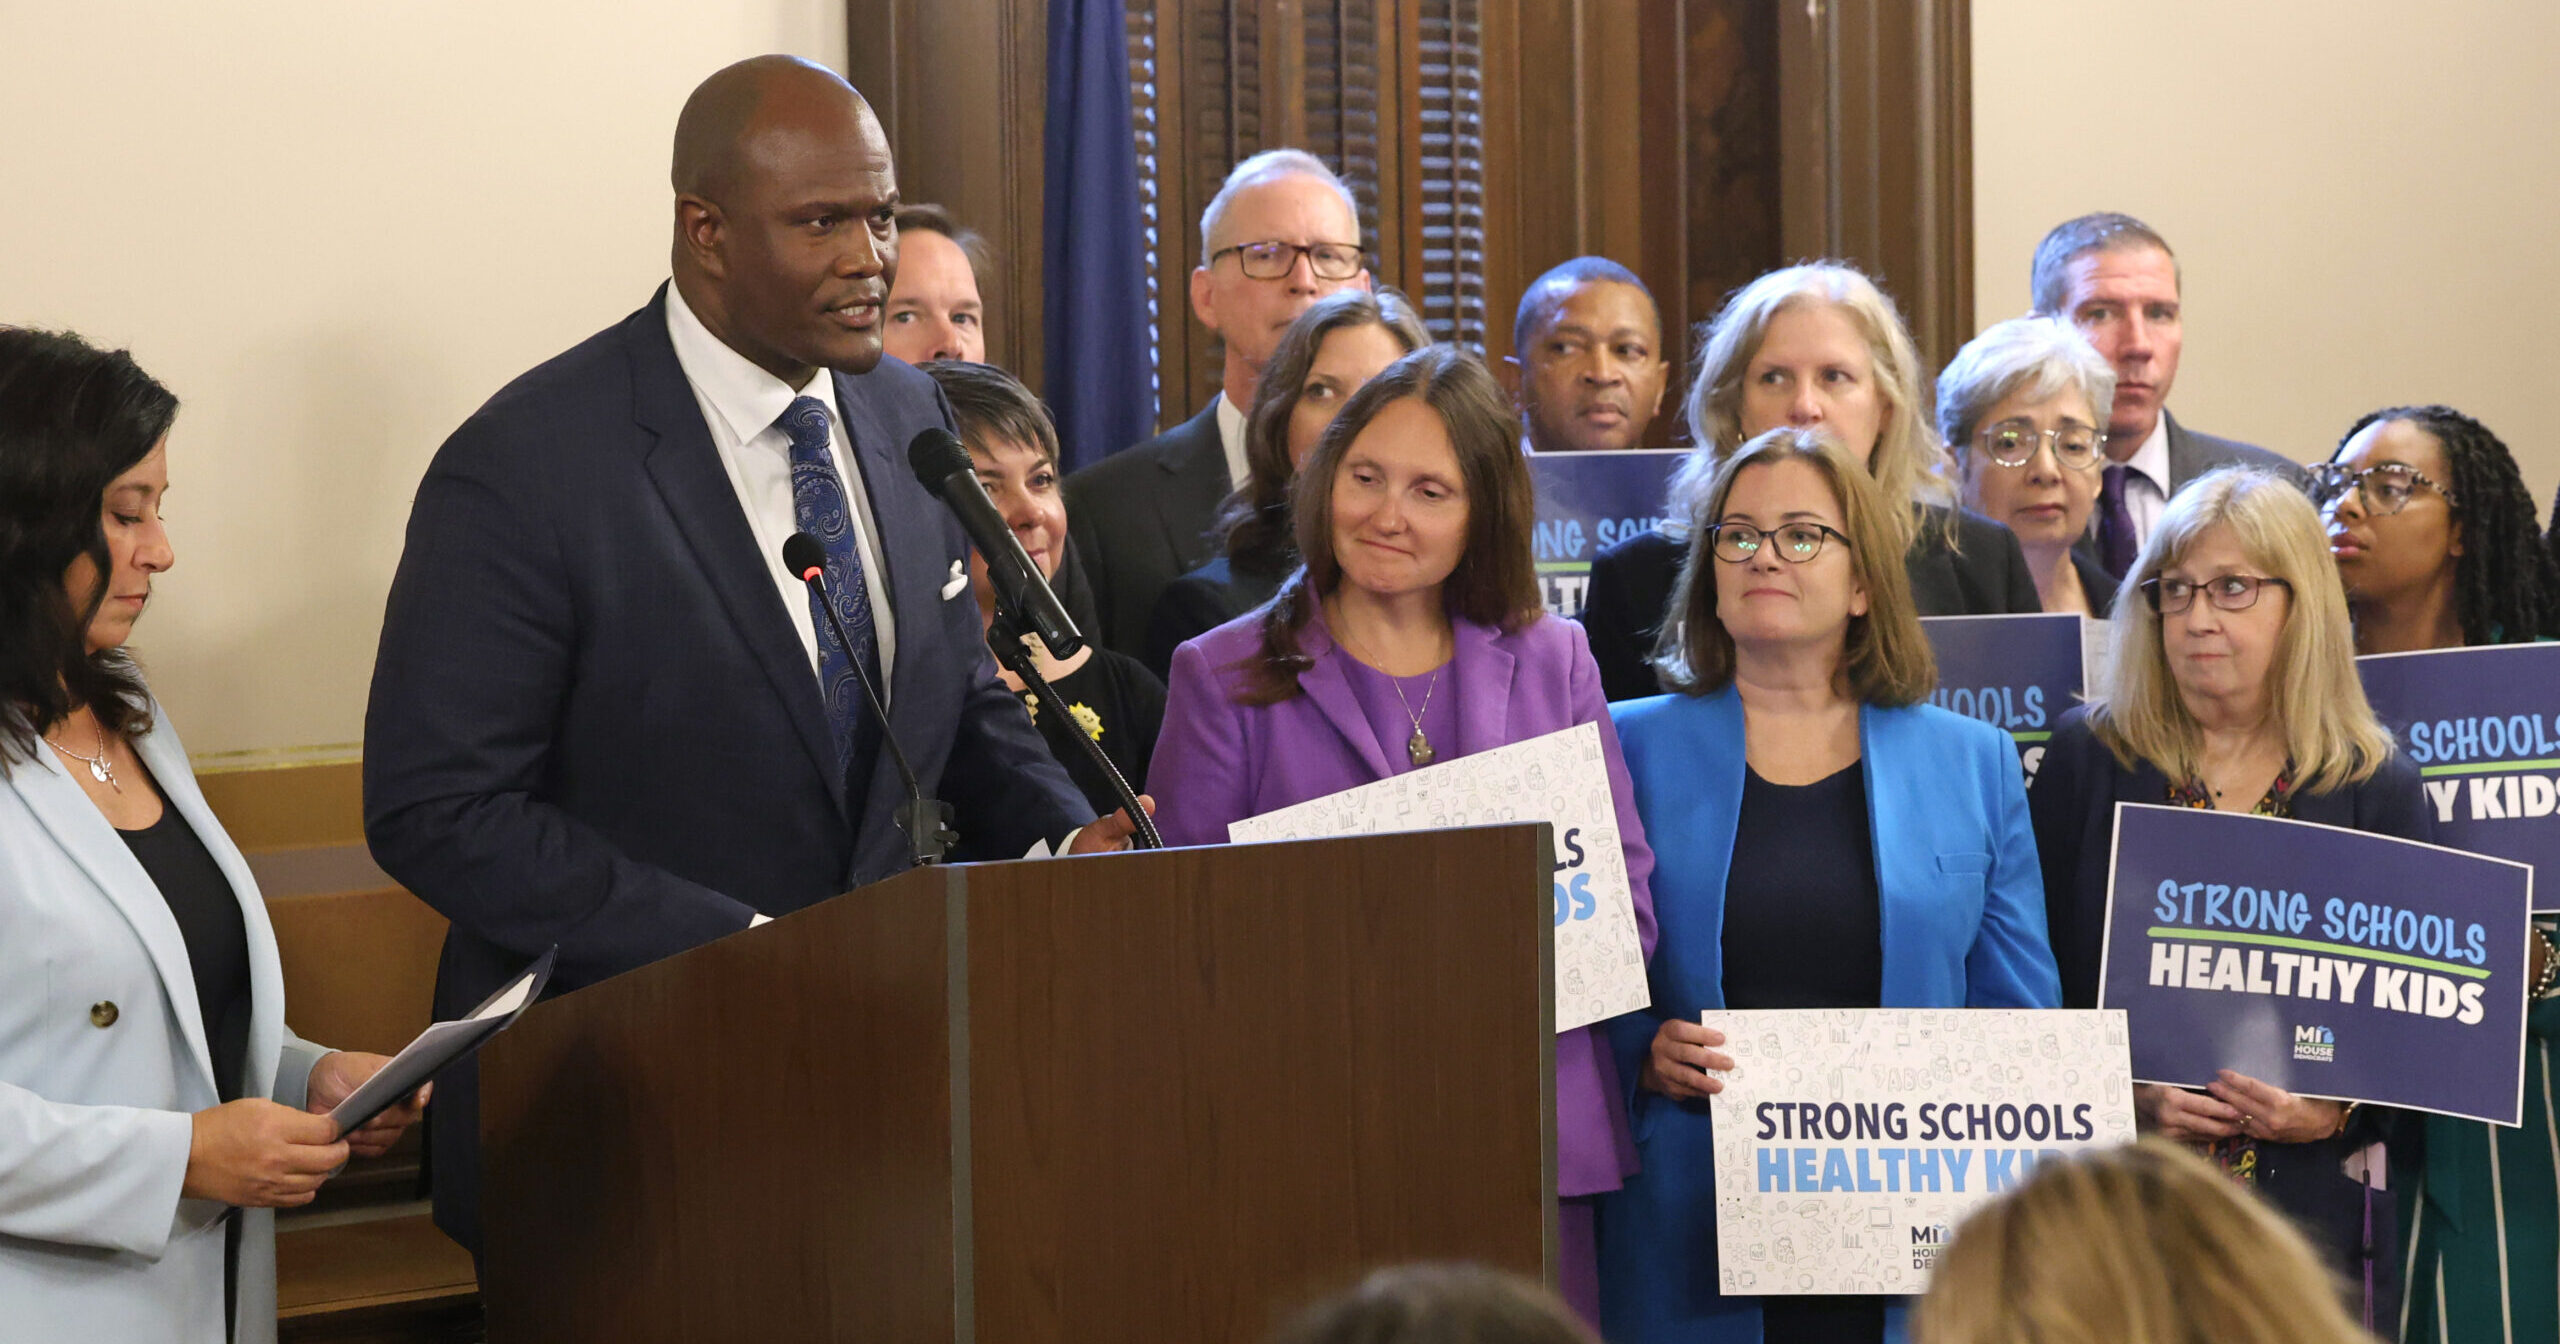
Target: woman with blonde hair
{"points": [[1818, 347], [2143, 1244], [2233, 687], [1796, 787]]}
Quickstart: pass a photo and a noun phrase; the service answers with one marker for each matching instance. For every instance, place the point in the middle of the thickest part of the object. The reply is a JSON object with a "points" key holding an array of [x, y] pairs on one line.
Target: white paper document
{"points": [[1850, 1142], [440, 1045], [1560, 779]]}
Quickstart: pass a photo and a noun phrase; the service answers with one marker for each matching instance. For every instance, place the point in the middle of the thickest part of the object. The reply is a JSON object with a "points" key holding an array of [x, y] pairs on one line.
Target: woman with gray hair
{"points": [[2022, 409], [1817, 347]]}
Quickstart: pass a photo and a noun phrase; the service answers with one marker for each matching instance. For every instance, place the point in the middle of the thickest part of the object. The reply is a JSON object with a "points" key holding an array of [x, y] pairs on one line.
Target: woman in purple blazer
{"points": [[1412, 632]]}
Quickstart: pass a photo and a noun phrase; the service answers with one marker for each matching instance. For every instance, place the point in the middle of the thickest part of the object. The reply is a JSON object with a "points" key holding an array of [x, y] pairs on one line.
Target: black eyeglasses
{"points": [[2384, 488], [2230, 592], [1734, 543], [1273, 260], [2013, 443]]}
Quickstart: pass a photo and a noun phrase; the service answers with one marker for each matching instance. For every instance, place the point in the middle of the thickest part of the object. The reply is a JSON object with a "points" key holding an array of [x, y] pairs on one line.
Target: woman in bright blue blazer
{"points": [[1823, 839]]}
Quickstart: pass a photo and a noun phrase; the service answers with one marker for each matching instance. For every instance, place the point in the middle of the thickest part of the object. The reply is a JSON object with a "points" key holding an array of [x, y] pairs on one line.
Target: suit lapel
{"points": [[1328, 688], [86, 835], [1199, 473], [2182, 453], [1480, 672], [685, 467]]}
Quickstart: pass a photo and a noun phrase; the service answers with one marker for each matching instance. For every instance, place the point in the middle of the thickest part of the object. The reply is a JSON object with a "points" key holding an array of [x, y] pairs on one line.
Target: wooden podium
{"points": [[1137, 1097]]}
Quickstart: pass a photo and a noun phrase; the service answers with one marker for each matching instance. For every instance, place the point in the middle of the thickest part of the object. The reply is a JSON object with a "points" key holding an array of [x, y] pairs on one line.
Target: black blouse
{"points": [[208, 915], [1121, 704], [1804, 928]]}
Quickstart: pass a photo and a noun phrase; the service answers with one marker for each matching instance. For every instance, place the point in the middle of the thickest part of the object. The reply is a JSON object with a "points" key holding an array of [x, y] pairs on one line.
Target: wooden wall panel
{"points": [[962, 90], [1700, 142]]}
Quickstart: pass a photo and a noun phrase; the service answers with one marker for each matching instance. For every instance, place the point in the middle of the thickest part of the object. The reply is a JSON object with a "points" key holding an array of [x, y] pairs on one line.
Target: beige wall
{"points": [[334, 229], [2363, 193]]}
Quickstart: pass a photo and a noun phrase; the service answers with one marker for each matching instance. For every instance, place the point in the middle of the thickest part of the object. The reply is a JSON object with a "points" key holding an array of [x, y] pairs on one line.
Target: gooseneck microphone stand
{"points": [[925, 820], [1004, 636]]}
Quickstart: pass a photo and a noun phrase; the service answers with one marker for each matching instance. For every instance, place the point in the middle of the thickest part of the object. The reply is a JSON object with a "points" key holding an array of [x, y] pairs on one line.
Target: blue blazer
{"points": [[95, 1126], [1963, 911], [593, 723]]}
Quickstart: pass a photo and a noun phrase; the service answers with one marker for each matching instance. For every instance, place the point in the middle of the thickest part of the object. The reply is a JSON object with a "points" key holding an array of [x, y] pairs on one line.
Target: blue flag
{"points": [[1099, 382]]}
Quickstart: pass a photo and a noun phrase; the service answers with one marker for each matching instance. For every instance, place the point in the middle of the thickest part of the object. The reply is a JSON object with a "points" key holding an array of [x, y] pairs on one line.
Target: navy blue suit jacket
{"points": [[593, 722]]}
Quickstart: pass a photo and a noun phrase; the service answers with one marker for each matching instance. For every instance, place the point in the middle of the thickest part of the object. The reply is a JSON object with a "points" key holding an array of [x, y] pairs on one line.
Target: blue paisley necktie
{"points": [[819, 506]]}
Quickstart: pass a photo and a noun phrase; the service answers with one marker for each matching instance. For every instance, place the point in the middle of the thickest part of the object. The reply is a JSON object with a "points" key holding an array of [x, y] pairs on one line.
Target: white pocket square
{"points": [[958, 583]]}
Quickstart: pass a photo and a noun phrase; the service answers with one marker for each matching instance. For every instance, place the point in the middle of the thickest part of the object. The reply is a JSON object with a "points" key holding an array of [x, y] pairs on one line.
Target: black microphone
{"points": [[944, 467], [927, 821]]}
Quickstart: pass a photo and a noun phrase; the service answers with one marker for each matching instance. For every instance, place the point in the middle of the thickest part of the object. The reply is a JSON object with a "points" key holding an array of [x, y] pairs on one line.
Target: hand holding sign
{"points": [[2267, 1111], [1684, 1061]]}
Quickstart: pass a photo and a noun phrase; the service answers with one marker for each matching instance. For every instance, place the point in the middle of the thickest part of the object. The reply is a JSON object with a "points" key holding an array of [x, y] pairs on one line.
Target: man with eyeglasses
{"points": [[1279, 235], [2115, 278]]}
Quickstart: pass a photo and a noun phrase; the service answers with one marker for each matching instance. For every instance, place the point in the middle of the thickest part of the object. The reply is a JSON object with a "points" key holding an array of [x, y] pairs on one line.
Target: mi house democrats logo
{"points": [[2315, 1044]]}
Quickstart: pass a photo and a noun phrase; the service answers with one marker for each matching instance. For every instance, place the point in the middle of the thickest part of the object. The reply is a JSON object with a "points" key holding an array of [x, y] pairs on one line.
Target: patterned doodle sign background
{"points": [[1558, 778], [1851, 1142]]}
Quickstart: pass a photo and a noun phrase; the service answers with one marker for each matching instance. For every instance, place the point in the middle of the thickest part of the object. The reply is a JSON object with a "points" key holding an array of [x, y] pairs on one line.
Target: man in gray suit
{"points": [[2116, 279], [1280, 234]]}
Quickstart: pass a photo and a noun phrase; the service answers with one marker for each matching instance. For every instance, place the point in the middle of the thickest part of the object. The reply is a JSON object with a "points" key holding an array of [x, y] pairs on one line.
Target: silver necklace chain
{"points": [[1417, 748], [99, 770]]}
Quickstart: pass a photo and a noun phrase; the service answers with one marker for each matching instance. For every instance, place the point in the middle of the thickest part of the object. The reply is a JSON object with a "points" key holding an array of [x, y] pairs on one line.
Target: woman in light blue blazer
{"points": [[154, 1110], [1822, 839]]}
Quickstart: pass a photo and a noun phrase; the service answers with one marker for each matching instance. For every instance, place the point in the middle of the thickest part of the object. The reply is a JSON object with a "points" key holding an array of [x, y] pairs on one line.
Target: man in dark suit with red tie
{"points": [[604, 714]]}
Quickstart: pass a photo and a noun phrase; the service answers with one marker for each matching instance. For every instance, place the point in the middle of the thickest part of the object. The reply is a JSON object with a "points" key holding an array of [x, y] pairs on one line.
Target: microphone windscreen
{"points": [[803, 556], [936, 454]]}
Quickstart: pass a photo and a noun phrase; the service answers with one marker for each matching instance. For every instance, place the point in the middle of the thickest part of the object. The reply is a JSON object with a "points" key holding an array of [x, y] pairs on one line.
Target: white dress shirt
{"points": [[2146, 487], [1231, 438], [741, 403]]}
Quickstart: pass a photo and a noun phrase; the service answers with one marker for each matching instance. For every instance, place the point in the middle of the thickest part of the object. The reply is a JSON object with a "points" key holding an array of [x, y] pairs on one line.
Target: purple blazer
{"points": [[1218, 762]]}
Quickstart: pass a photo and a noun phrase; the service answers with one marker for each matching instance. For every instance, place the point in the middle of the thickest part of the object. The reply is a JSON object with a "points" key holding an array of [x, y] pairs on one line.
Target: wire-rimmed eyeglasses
{"points": [[2013, 443]]}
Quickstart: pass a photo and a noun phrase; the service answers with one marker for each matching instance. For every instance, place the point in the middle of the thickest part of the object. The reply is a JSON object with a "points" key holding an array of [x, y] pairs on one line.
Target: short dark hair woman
{"points": [[1326, 355], [154, 1110], [1102, 693], [1411, 632]]}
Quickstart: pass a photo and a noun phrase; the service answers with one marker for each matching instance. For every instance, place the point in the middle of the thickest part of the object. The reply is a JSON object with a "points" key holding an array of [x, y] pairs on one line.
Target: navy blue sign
{"points": [[1588, 502], [2326, 961], [2016, 673], [2483, 727]]}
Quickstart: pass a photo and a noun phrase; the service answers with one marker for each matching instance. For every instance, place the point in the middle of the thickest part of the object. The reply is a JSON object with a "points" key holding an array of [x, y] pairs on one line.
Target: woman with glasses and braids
{"points": [[2023, 408], [2435, 534], [2234, 687], [1797, 786], [2439, 547]]}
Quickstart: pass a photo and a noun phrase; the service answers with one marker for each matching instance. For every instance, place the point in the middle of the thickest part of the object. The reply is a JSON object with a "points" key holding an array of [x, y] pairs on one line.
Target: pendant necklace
{"points": [[1417, 748], [99, 770]]}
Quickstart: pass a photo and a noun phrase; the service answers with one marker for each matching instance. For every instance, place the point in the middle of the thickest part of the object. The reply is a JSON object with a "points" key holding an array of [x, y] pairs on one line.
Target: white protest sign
{"points": [[1560, 778], [1850, 1142]]}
